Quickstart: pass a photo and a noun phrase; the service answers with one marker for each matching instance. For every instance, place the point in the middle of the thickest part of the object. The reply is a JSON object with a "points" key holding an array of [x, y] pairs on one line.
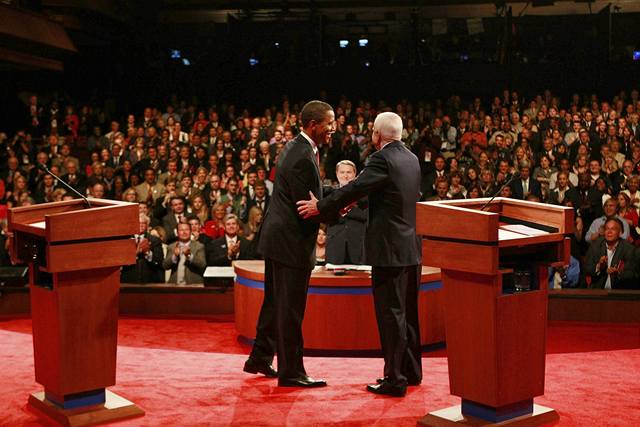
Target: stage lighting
{"points": [[363, 42], [175, 54], [186, 62], [344, 43], [276, 44], [636, 55], [367, 63], [253, 61]]}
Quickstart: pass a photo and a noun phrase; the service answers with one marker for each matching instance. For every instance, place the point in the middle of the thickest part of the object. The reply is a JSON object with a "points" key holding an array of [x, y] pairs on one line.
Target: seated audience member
{"points": [[442, 188], [475, 192], [633, 184], [564, 165], [596, 230], [149, 191], [456, 189], [252, 227], [260, 198], [321, 246], [558, 195], [611, 261], [185, 258], [586, 200], [628, 214], [234, 201], [74, 178], [345, 238], [230, 247], [149, 257], [214, 228], [175, 216], [196, 230], [199, 208], [524, 185], [97, 190]]}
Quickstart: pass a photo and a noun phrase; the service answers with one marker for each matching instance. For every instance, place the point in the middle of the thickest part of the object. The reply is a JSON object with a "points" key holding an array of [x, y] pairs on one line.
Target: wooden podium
{"points": [[74, 254], [494, 271]]}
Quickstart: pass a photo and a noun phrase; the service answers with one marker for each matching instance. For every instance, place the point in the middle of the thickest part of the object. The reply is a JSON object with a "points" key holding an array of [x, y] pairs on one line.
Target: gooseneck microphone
{"points": [[44, 168], [509, 181]]}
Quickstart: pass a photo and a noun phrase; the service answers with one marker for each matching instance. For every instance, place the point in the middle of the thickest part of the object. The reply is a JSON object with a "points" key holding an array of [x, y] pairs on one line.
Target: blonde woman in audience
{"points": [[199, 208], [130, 195], [58, 194], [200, 179], [254, 222], [214, 228]]}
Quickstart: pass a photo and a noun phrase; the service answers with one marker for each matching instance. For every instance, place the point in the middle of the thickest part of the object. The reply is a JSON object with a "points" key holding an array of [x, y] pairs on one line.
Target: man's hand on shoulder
{"points": [[308, 208]]}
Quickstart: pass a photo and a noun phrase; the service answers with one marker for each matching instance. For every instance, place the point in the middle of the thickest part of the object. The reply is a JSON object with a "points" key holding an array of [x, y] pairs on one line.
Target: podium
{"points": [[74, 253], [494, 271]]}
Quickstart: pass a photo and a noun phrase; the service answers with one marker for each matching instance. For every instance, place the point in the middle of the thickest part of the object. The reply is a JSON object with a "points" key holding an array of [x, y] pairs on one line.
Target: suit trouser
{"points": [[279, 326], [395, 296]]}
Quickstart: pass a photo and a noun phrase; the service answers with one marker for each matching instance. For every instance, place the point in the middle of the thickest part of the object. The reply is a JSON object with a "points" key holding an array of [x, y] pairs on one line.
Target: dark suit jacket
{"points": [[285, 236], [518, 192], [169, 223], [391, 179], [625, 252], [216, 251], [347, 235], [592, 209], [144, 271], [80, 183]]}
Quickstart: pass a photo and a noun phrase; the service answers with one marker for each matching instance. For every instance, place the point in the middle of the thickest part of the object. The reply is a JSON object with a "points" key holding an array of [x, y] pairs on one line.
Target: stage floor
{"points": [[189, 373]]}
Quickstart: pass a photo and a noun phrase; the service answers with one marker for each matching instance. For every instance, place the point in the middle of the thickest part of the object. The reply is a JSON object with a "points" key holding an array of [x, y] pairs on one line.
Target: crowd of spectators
{"points": [[212, 167]]}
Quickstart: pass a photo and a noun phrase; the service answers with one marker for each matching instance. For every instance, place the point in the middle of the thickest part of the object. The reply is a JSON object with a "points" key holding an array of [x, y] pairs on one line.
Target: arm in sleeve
{"points": [[372, 177]]}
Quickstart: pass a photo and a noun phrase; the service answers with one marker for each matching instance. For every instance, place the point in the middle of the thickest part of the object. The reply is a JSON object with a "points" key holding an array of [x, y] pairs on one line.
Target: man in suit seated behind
{"points": [[611, 261], [185, 258], [345, 239], [230, 247]]}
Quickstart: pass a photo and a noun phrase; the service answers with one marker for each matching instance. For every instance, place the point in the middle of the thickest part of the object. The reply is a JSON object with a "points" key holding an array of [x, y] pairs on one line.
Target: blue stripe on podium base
{"points": [[499, 414], [78, 400], [337, 290]]}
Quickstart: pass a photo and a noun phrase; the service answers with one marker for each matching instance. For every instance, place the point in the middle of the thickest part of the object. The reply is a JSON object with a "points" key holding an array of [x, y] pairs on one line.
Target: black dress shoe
{"points": [[409, 382], [303, 381], [253, 366], [388, 389]]}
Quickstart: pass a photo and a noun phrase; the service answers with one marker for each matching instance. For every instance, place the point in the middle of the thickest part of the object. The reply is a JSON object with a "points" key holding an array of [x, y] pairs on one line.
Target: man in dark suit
{"points": [[345, 239], [149, 257], [260, 199], [287, 242], [525, 185], [391, 179], [586, 200], [171, 220], [612, 261], [230, 247]]}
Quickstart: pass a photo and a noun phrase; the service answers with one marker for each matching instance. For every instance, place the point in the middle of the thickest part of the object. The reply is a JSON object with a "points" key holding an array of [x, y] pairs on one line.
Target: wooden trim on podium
{"points": [[116, 408], [452, 417]]}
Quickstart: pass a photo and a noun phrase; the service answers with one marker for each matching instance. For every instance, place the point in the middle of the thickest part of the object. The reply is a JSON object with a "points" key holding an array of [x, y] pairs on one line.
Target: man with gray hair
{"points": [[391, 179]]}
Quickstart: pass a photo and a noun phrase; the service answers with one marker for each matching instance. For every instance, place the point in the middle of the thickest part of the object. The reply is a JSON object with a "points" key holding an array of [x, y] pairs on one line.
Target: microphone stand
{"points": [[44, 167], [509, 181]]}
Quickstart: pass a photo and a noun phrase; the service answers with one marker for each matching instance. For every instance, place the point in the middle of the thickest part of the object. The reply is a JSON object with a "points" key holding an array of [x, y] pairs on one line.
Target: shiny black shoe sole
{"points": [[300, 383], [253, 368], [386, 390]]}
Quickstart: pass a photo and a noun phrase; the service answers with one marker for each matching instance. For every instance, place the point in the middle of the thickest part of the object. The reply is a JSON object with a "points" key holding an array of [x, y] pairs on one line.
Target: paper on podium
{"points": [[523, 229], [220, 272], [351, 267]]}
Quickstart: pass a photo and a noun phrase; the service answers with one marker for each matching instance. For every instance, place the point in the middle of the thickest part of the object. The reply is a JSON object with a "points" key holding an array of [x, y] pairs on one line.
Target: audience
{"points": [[193, 166]]}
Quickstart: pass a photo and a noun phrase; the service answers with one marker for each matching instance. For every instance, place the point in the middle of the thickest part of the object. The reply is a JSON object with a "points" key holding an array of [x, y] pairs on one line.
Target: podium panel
{"points": [[495, 286], [74, 254]]}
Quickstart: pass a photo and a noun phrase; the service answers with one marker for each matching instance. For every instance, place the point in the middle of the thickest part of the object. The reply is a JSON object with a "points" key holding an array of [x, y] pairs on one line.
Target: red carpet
{"points": [[188, 373]]}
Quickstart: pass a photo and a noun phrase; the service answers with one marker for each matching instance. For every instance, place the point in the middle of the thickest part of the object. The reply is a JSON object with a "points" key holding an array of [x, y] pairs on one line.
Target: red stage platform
{"points": [[189, 372]]}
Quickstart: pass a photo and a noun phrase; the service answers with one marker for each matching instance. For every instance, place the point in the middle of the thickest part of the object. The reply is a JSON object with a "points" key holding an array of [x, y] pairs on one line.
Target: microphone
{"points": [[509, 181], [44, 168]]}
